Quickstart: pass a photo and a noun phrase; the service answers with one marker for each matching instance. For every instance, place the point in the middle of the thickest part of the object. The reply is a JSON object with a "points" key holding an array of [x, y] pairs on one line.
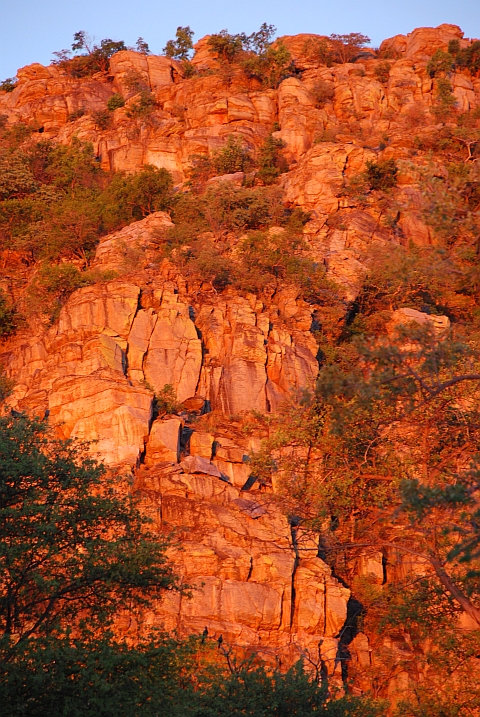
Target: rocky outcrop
{"points": [[99, 371], [249, 584]]}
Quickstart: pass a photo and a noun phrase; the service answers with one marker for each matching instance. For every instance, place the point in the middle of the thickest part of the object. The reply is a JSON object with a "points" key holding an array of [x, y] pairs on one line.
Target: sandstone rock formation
{"points": [[118, 343]]}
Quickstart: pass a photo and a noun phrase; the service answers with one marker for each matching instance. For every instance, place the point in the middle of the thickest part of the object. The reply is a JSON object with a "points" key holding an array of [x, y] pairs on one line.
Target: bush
{"points": [[440, 64], [318, 50], [115, 102], [382, 71], [469, 57], [271, 162], [166, 401], [381, 175], [53, 285], [76, 114], [227, 46], [8, 316], [323, 92], [95, 58], [270, 66], [143, 106], [102, 119], [445, 100], [132, 197], [344, 48], [8, 85], [232, 157]]}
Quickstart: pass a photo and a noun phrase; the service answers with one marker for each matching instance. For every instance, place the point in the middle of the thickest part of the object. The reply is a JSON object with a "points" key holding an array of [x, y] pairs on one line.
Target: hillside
{"points": [[181, 321]]}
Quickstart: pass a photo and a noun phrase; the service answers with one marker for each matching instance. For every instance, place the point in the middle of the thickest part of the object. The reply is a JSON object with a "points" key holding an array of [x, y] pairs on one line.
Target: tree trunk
{"points": [[447, 582]]}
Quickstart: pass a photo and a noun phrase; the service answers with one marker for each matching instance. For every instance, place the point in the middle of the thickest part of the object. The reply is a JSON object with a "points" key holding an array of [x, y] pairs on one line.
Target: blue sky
{"points": [[30, 30]]}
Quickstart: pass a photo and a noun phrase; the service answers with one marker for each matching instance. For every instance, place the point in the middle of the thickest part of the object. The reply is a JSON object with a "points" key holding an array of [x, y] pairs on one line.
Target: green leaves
{"points": [[72, 551]]}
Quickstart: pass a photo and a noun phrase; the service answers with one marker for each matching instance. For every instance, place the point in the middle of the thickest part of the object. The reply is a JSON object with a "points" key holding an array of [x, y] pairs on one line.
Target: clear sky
{"points": [[30, 30]]}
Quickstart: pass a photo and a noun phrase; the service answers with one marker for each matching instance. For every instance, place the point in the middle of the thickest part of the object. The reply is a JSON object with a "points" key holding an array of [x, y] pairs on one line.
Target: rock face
{"points": [[118, 343], [238, 553]]}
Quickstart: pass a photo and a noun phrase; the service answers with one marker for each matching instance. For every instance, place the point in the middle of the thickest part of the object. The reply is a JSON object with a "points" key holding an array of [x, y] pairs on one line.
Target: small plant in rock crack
{"points": [[165, 401]]}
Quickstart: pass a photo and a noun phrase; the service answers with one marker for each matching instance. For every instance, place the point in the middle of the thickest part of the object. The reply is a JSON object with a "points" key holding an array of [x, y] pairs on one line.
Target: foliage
{"points": [[469, 57], [74, 551], [440, 64], [269, 66], [445, 100], [54, 283], [8, 85], [94, 58], [181, 47], [256, 54], [345, 48], [142, 46], [115, 102], [166, 401], [227, 46], [318, 50], [81, 676], [271, 162], [102, 119], [232, 157], [335, 48], [142, 106], [451, 201], [131, 197], [8, 316], [381, 175], [221, 236], [382, 71], [323, 92], [252, 690]]}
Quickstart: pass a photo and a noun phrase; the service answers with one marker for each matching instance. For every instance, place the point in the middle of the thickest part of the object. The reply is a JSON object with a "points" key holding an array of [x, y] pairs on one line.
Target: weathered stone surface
{"points": [[201, 444], [164, 441], [404, 317], [175, 352], [423, 41], [198, 464], [237, 551]]}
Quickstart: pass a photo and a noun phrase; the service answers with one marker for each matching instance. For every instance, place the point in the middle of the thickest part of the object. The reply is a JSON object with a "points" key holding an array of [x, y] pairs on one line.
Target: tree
{"points": [[232, 157], [94, 58], [73, 550], [181, 47], [132, 197], [344, 48], [228, 47], [142, 46], [397, 426], [271, 162]]}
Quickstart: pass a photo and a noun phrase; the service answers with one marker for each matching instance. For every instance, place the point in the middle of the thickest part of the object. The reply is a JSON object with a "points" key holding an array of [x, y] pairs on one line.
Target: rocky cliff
{"points": [[115, 344]]}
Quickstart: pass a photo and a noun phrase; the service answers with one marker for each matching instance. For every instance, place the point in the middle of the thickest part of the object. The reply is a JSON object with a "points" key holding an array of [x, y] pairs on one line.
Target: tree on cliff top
{"points": [[91, 58], [181, 47]]}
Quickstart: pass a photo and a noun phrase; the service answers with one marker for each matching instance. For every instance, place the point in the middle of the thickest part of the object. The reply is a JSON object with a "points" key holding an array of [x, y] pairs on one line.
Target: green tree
{"points": [[132, 197], [228, 47], [73, 550], [232, 157], [142, 46], [440, 64], [381, 175], [271, 162], [8, 316], [181, 47]]}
